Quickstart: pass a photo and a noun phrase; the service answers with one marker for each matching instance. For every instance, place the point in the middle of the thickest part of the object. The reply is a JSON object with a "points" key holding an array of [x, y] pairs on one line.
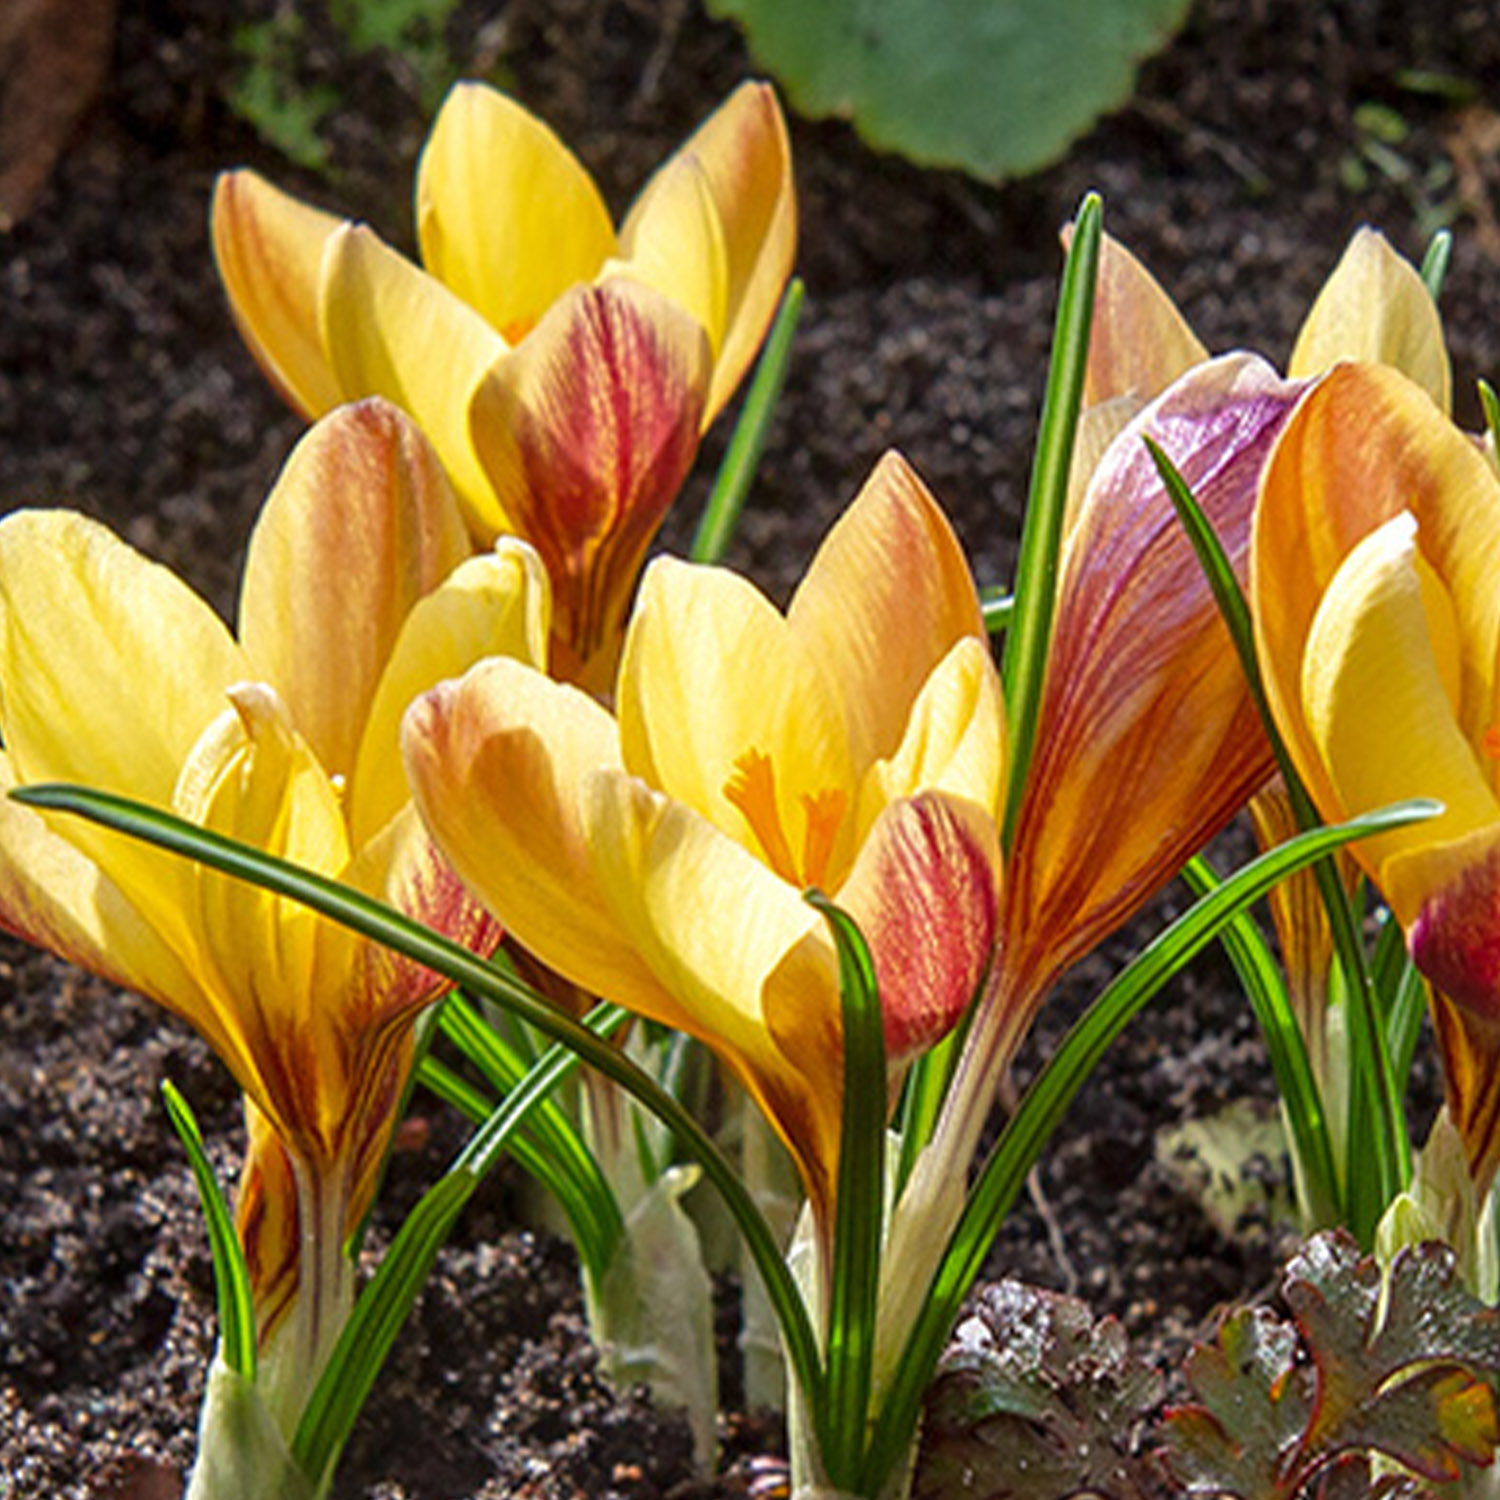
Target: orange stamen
{"points": [[752, 789], [824, 813]]}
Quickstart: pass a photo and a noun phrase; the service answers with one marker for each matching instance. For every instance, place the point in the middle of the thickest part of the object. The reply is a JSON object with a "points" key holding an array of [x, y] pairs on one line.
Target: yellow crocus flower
{"points": [[359, 591], [657, 855], [1375, 582], [564, 370]]}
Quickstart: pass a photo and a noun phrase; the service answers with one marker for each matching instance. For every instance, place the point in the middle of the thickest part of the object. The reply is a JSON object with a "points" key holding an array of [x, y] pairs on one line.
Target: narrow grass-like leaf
{"points": [[1261, 978], [577, 1181], [1029, 637], [1039, 1112], [721, 515], [382, 924], [855, 1273], [1435, 262], [232, 1294], [998, 607], [922, 1095], [1383, 1166], [1491, 404], [386, 1302], [1403, 1023], [454, 1089]]}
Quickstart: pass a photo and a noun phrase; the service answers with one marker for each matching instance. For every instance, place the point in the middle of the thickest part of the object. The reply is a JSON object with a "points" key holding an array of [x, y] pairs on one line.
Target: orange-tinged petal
{"points": [[497, 762], [1375, 307], [954, 741], [506, 215], [1139, 343], [712, 672], [1364, 445], [1455, 941], [269, 248], [886, 597], [360, 526], [586, 434], [494, 605], [743, 152], [1148, 742], [1098, 427], [392, 330], [1369, 665], [925, 892]]}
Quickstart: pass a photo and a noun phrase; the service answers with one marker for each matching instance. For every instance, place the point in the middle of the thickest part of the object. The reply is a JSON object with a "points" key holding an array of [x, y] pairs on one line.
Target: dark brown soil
{"points": [[123, 391]]}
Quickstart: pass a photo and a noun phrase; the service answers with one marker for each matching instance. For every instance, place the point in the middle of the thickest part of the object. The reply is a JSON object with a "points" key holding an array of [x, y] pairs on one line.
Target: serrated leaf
{"points": [[1255, 1404], [1034, 1398], [1411, 1382], [1396, 1369], [997, 89]]}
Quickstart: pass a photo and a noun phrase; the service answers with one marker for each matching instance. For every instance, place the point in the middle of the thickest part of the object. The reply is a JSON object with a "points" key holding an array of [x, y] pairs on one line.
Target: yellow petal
{"points": [[269, 249], [886, 597], [494, 605], [1377, 709], [954, 741], [711, 672], [253, 778], [497, 763], [360, 526], [683, 256], [586, 434], [1139, 343], [743, 153], [111, 665], [712, 923], [110, 669], [392, 330], [1376, 308], [55, 897], [507, 217], [1364, 445]]}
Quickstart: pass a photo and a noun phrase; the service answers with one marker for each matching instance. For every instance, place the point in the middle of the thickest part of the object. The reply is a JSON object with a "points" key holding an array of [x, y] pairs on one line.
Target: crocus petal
{"points": [[1098, 427], [497, 763], [954, 741], [711, 922], [1148, 742], [507, 217], [55, 897], [123, 664], [391, 330], [254, 779], [925, 892], [1139, 343], [712, 671], [1370, 663], [743, 152], [1455, 942], [1364, 445], [360, 526], [891, 557], [495, 605], [1375, 307], [586, 434], [269, 249], [112, 668]]}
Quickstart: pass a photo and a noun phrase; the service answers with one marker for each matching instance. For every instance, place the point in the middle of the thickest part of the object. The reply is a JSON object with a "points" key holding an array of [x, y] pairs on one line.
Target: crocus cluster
{"points": [[452, 687]]}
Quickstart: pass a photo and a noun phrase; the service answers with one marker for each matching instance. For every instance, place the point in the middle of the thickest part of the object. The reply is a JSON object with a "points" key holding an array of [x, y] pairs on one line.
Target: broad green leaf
{"points": [[996, 87]]}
